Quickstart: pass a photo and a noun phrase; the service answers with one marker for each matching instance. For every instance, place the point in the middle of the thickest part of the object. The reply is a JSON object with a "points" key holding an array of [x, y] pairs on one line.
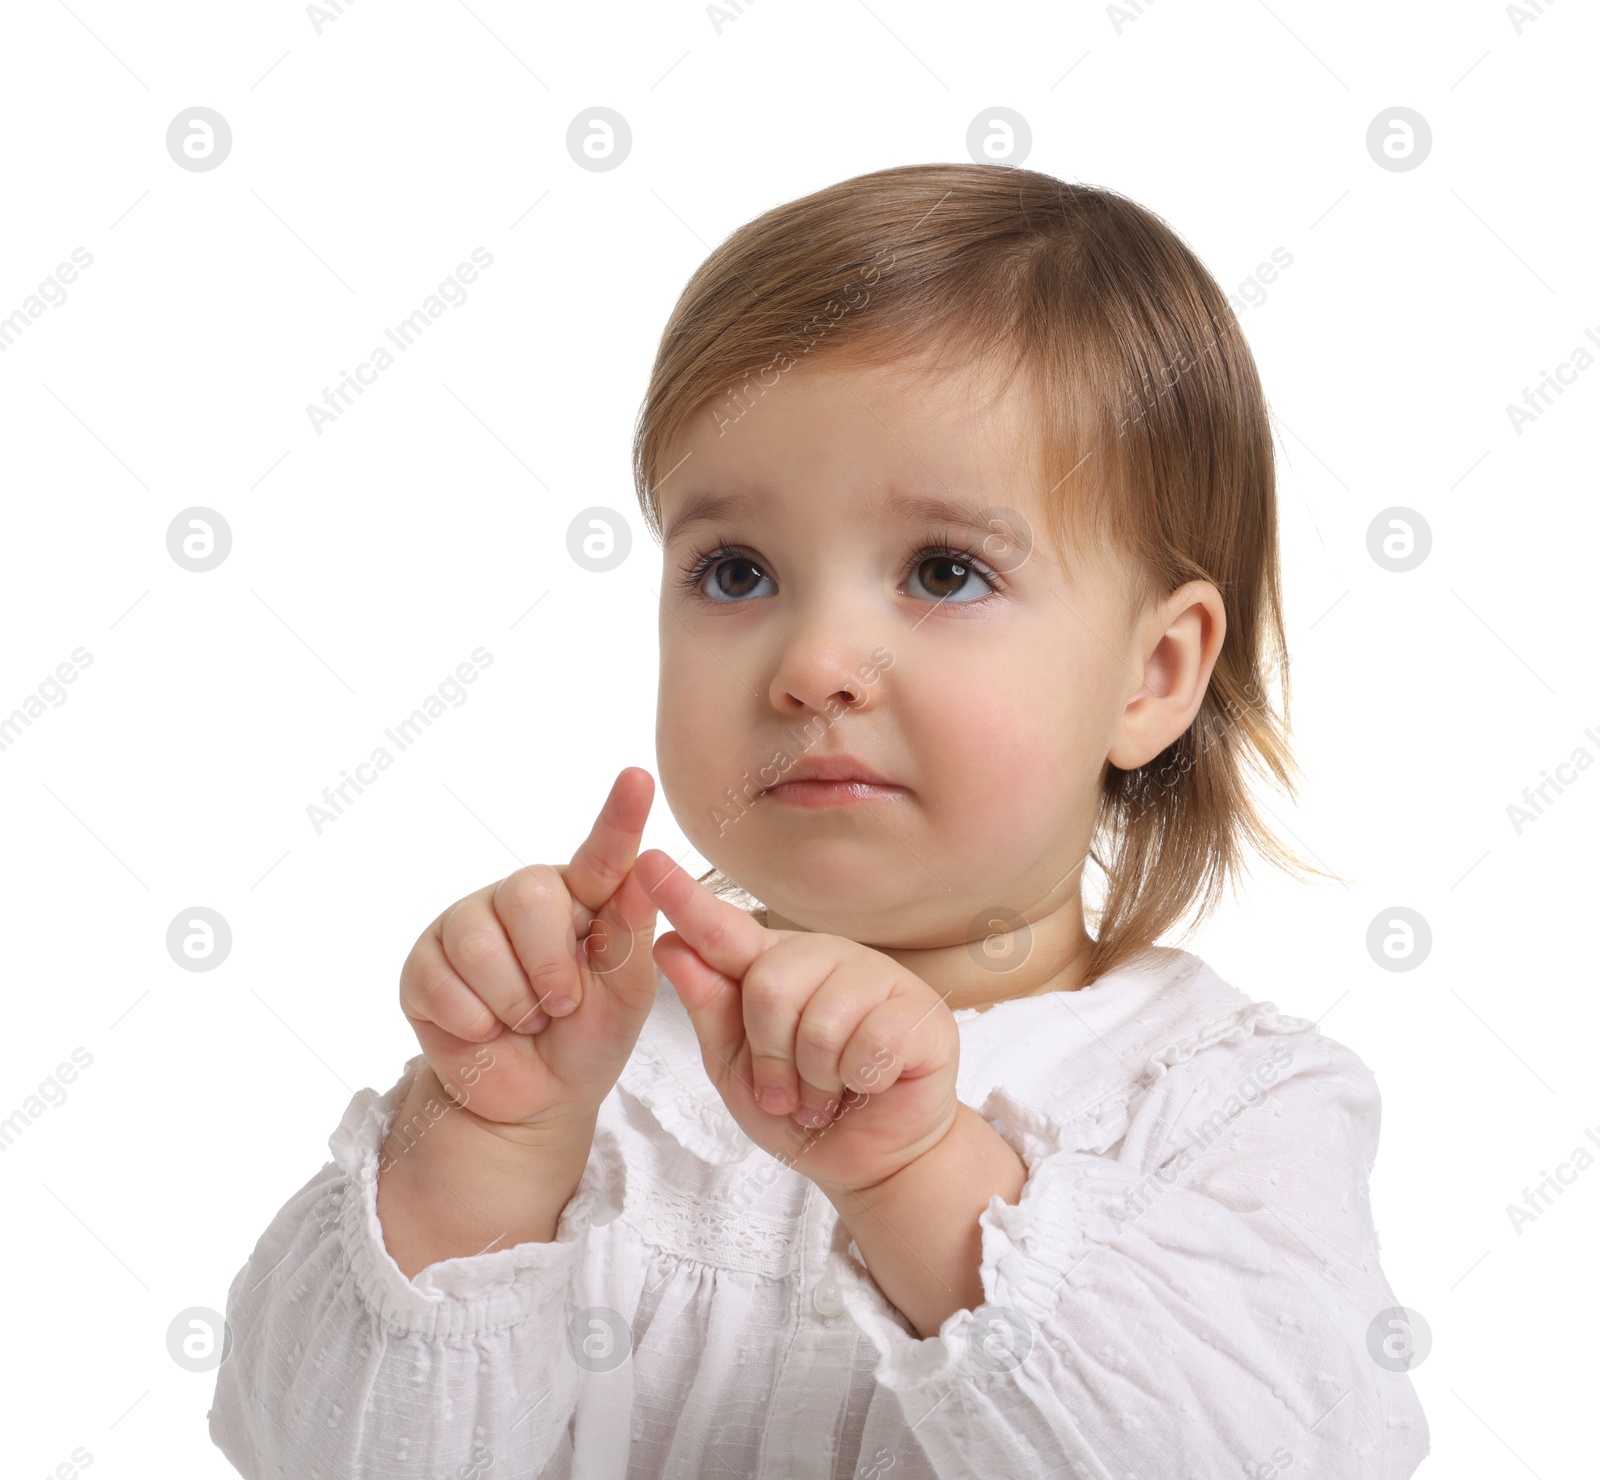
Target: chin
{"points": [[860, 904]]}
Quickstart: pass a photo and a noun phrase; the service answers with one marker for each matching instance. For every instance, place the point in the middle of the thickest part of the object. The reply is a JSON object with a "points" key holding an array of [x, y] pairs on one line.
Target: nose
{"points": [[822, 662]]}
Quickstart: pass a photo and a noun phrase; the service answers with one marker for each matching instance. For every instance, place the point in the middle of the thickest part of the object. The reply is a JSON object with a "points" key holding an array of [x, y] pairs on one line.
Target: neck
{"points": [[1050, 954]]}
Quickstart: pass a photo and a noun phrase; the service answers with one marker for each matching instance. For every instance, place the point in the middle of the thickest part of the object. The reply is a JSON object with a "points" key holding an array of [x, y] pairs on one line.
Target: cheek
{"points": [[686, 707], [1025, 746], [698, 733], [1008, 773]]}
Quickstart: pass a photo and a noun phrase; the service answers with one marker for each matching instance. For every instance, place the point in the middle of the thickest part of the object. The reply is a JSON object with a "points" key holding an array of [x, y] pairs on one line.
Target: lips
{"points": [[843, 768], [826, 782]]}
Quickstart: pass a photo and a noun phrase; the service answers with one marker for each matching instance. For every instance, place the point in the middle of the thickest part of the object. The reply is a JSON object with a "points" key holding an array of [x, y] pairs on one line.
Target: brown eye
{"points": [[950, 577], [733, 578]]}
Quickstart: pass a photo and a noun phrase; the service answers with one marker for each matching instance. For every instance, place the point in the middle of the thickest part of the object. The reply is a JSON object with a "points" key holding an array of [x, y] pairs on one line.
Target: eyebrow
{"points": [[709, 508]]}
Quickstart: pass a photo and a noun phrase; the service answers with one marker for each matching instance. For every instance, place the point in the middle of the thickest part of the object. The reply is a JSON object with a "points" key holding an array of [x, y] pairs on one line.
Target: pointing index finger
{"points": [[605, 856], [721, 934]]}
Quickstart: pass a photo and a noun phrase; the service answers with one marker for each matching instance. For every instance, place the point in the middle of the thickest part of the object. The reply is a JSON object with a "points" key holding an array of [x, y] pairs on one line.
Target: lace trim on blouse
{"points": [[717, 1235]]}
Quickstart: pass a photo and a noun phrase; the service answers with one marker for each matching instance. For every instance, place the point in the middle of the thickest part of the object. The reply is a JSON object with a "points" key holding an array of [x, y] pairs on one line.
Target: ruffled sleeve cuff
{"points": [[1029, 1251], [467, 1294]]}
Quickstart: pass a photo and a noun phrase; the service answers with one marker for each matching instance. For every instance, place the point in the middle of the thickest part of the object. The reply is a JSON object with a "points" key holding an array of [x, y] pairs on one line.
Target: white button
{"points": [[825, 1296]]}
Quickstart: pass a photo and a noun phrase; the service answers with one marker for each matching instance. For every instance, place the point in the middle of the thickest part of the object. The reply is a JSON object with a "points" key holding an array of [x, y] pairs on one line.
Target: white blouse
{"points": [[1188, 1287]]}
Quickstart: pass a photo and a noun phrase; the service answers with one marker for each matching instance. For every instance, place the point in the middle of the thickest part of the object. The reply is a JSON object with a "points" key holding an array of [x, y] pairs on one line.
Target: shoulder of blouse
{"points": [[1084, 1058]]}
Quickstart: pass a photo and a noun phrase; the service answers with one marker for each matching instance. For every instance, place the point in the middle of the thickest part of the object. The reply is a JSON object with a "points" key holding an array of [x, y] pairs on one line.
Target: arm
{"points": [[1205, 1289], [339, 1363]]}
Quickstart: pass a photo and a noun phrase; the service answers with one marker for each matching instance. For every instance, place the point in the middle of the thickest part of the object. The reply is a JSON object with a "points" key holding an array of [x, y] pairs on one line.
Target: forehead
{"points": [[914, 443]]}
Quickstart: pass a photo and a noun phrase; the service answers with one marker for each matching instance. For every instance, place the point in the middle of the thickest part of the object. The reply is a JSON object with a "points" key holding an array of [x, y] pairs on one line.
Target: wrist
{"points": [[564, 1132], [452, 1184], [868, 1195], [919, 1230]]}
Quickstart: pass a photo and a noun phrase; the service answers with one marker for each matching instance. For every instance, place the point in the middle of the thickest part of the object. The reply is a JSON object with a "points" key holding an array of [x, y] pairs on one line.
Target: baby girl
{"points": [[900, 1153]]}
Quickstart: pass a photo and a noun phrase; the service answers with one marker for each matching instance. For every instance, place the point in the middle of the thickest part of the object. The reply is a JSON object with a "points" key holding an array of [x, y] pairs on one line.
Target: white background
{"points": [[368, 561]]}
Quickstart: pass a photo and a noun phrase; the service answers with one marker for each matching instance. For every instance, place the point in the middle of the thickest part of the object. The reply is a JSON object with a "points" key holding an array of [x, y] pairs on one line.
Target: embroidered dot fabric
{"points": [[1189, 1285]]}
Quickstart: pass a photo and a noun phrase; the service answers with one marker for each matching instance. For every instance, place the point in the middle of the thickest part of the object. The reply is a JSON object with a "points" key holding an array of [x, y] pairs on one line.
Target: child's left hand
{"points": [[837, 1026]]}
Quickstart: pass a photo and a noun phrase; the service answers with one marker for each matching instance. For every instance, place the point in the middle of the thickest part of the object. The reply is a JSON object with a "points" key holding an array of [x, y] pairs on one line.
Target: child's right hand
{"points": [[498, 964]]}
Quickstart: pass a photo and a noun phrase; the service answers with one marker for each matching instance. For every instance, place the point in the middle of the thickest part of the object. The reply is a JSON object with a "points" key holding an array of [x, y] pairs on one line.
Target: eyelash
{"points": [[702, 562]]}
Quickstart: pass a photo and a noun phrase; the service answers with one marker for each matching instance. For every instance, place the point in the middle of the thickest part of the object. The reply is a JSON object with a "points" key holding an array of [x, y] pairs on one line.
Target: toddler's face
{"points": [[834, 630]]}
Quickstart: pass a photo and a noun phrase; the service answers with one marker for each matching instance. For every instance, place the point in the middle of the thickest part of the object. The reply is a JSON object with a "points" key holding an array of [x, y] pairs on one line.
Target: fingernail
{"points": [[772, 1099], [807, 1116], [560, 1007]]}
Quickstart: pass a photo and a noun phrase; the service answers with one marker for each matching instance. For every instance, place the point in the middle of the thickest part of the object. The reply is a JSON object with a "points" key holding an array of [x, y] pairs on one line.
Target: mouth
{"points": [[831, 781], [819, 793]]}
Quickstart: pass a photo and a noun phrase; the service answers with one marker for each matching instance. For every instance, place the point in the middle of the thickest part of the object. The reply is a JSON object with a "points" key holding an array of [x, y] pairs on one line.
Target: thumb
{"points": [[617, 947]]}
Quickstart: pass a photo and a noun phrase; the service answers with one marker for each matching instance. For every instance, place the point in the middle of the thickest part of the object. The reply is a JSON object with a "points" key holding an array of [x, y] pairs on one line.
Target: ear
{"points": [[1181, 638]]}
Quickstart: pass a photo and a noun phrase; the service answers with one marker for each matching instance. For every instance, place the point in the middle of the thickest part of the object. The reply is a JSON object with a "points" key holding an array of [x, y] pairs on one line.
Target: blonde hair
{"points": [[1154, 434]]}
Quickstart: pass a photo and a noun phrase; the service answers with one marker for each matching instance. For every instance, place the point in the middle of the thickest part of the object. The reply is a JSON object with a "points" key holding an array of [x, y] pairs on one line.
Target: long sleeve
{"points": [[339, 1366], [1201, 1300]]}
